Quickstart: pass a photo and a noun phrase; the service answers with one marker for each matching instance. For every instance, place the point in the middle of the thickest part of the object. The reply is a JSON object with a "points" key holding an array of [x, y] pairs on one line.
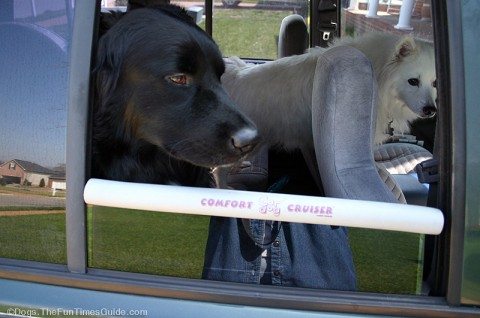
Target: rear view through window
{"points": [[35, 39]]}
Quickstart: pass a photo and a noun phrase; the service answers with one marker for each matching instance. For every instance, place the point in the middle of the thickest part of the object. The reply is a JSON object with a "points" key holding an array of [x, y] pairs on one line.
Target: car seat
{"points": [[343, 118], [400, 160]]}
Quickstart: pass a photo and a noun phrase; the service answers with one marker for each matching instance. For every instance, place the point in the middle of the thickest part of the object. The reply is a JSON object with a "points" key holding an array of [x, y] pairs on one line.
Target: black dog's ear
{"points": [[110, 56]]}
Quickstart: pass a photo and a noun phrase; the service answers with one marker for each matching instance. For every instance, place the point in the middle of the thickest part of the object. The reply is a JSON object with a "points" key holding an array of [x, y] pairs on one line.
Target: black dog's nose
{"points": [[245, 139], [429, 111]]}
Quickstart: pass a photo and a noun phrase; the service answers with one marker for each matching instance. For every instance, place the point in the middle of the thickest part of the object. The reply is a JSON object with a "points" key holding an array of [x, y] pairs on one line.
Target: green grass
{"points": [[14, 189], [247, 32], [30, 208], [173, 245], [156, 243], [33, 237], [387, 262]]}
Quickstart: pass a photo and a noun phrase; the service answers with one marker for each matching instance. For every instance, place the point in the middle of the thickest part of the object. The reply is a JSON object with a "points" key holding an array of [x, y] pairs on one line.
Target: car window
{"points": [[174, 244], [181, 246], [249, 28], [34, 55]]}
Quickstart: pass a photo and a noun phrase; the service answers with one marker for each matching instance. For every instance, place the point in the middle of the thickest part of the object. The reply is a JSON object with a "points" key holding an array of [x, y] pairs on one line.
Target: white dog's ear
{"points": [[405, 47]]}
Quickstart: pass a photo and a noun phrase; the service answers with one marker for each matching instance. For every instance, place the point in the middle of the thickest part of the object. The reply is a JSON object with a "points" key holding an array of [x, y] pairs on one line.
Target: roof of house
{"points": [[58, 175], [31, 167]]}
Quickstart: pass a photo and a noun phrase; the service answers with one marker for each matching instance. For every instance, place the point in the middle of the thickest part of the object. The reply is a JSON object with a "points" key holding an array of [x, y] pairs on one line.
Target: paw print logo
{"points": [[269, 206]]}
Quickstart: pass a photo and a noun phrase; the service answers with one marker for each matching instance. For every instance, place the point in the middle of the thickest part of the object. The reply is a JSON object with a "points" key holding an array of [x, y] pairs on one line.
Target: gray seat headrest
{"points": [[293, 36]]}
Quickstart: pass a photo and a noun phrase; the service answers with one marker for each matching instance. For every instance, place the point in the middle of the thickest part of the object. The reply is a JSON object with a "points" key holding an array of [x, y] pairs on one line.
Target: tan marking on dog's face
{"points": [[132, 119], [135, 76]]}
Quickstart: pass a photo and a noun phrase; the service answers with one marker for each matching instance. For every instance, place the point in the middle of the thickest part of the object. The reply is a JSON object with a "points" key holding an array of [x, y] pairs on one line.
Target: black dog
{"points": [[160, 112]]}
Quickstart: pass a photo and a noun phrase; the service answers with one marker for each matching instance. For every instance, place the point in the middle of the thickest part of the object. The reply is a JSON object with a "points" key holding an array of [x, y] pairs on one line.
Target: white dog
{"points": [[277, 95]]}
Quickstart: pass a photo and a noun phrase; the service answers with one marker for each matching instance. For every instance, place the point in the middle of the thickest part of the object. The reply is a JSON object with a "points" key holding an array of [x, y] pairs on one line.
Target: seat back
{"points": [[293, 36], [343, 118]]}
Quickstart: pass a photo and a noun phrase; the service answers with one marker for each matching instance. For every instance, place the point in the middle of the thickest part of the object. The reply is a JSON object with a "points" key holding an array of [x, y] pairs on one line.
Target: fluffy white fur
{"points": [[277, 95]]}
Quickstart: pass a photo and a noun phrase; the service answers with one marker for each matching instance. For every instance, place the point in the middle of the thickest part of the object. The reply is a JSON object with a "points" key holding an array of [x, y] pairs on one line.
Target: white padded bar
{"points": [[260, 205]]}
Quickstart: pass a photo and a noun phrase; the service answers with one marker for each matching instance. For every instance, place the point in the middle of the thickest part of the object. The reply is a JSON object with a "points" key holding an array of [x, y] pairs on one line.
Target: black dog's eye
{"points": [[413, 81], [179, 79]]}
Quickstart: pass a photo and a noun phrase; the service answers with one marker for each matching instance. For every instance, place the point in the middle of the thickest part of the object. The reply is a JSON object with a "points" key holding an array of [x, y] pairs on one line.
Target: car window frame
{"points": [[84, 34]]}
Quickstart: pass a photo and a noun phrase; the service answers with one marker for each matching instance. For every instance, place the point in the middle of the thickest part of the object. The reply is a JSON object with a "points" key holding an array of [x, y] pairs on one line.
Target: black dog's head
{"points": [[158, 81]]}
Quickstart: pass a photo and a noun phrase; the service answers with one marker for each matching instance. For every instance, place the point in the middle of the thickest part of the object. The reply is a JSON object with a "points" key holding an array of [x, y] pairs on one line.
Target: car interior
{"points": [[332, 170]]}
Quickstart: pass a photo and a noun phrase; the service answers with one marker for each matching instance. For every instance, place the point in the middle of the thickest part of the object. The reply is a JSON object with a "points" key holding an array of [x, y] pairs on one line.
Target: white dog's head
{"points": [[412, 77]]}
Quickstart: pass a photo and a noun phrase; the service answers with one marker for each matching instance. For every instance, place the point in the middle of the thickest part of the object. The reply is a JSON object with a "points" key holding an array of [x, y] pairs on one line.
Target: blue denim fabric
{"points": [[303, 255]]}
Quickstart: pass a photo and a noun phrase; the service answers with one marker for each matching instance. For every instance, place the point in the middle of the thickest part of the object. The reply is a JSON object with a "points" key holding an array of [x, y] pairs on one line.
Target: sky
{"points": [[33, 90]]}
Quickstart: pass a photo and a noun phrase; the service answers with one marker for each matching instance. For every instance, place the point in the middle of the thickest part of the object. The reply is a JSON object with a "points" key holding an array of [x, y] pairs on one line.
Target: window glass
{"points": [[377, 252], [234, 249], [249, 28], [144, 242], [35, 38]]}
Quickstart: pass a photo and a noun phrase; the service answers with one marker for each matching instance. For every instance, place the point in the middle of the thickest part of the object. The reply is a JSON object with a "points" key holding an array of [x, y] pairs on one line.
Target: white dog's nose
{"points": [[245, 139], [429, 111]]}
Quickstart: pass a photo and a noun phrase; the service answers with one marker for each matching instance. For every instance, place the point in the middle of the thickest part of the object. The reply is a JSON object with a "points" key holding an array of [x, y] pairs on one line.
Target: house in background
{"points": [[57, 181], [24, 172]]}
